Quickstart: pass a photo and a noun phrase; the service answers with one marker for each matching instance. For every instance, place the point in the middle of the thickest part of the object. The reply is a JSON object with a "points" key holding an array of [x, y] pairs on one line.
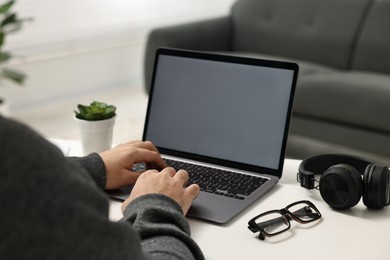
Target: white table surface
{"points": [[357, 233]]}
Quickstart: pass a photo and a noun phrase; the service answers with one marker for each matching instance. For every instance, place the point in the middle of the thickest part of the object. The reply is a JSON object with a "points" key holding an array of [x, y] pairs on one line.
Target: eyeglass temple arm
{"points": [[272, 223], [307, 180], [305, 212], [269, 224]]}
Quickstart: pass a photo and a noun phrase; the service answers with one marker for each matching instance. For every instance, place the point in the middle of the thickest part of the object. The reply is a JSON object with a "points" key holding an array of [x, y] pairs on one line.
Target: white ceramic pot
{"points": [[96, 136]]}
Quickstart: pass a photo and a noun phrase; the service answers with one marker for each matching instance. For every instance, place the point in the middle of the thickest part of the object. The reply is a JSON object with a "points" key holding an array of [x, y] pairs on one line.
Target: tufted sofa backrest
{"points": [[372, 52], [322, 31]]}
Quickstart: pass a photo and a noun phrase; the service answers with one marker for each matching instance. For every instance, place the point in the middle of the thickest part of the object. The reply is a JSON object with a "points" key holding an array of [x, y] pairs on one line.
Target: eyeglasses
{"points": [[274, 222]]}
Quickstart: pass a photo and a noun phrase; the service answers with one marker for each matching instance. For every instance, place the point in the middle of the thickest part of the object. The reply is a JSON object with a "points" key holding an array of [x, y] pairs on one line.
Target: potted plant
{"points": [[9, 23], [96, 122]]}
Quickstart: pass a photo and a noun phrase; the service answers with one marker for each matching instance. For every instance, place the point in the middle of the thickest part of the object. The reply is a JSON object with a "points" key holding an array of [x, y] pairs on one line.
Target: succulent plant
{"points": [[95, 111]]}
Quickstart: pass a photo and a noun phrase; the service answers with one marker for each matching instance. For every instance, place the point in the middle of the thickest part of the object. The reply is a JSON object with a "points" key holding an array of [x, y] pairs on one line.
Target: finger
{"points": [[150, 158], [156, 165], [159, 163], [193, 190], [148, 173], [152, 170], [145, 145], [156, 161], [140, 144], [133, 142], [130, 177], [150, 146], [182, 175], [170, 171], [128, 144]]}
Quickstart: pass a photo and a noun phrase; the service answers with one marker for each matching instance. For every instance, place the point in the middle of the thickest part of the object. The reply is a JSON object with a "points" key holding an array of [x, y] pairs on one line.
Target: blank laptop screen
{"points": [[229, 111]]}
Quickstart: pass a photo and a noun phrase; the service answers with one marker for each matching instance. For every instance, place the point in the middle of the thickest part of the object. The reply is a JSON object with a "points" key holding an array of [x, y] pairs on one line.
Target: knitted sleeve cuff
{"points": [[94, 165]]}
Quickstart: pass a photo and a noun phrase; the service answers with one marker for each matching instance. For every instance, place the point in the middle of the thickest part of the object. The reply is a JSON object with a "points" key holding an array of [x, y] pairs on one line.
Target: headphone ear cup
{"points": [[376, 186], [341, 186]]}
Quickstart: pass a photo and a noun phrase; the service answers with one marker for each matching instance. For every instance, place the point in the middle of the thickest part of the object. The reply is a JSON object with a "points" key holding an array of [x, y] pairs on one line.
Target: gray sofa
{"points": [[343, 49]]}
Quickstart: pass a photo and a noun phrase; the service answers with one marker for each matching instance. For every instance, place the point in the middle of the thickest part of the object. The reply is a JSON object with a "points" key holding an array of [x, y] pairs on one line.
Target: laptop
{"points": [[225, 118]]}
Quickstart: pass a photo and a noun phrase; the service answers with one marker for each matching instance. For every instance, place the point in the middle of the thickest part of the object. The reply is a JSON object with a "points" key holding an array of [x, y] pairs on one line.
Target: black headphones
{"points": [[345, 179]]}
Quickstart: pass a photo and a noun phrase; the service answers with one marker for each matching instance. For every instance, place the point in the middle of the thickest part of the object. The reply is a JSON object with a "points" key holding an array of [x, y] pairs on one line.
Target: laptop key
{"points": [[219, 181], [238, 191]]}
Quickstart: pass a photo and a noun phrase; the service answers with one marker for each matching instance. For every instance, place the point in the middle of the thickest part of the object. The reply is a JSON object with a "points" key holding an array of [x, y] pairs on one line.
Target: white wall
{"points": [[90, 45], [65, 76]]}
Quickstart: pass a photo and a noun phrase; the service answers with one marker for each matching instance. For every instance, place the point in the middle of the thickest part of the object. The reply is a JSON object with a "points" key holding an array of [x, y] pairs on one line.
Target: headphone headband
{"points": [[316, 165]]}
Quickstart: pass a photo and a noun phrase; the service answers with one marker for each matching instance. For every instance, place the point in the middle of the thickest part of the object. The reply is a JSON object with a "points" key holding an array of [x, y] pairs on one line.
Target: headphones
{"points": [[345, 179]]}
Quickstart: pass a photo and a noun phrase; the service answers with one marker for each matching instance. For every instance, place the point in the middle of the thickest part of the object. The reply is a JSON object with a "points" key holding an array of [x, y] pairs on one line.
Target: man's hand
{"points": [[120, 160], [167, 182]]}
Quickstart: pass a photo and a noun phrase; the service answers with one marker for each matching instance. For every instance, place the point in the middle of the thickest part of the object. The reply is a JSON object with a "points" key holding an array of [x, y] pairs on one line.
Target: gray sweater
{"points": [[52, 207]]}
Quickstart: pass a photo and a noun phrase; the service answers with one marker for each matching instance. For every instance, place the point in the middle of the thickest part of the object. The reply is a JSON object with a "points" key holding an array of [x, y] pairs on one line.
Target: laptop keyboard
{"points": [[217, 181]]}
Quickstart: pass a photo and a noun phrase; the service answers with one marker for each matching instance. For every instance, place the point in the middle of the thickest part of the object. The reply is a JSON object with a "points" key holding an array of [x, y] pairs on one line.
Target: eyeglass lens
{"points": [[273, 222], [304, 212]]}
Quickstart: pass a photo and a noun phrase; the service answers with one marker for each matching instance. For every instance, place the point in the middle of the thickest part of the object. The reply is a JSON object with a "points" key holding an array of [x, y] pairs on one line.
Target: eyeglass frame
{"points": [[287, 217]]}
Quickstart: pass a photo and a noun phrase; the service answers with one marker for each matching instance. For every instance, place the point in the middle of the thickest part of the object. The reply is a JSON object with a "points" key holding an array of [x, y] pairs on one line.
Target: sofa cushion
{"points": [[299, 147], [355, 98], [316, 31], [373, 45]]}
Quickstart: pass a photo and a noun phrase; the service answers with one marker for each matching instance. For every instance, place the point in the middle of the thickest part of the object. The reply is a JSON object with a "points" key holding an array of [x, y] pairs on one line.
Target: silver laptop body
{"points": [[221, 112]]}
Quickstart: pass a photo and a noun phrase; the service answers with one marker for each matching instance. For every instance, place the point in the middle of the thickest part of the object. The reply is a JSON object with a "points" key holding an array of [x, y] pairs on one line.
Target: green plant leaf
{"points": [[95, 111], [15, 26], [5, 56], [9, 23], [5, 7], [9, 19], [2, 36], [13, 75]]}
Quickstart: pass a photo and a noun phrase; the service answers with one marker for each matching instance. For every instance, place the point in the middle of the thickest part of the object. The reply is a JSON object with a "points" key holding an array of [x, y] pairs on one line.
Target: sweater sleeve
{"points": [[94, 165], [164, 231]]}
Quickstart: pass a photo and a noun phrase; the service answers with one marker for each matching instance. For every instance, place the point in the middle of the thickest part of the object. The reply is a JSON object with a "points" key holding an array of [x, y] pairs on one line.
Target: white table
{"points": [[357, 233]]}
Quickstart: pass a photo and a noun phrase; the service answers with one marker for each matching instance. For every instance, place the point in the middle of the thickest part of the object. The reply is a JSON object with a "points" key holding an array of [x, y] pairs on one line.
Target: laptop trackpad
{"points": [[218, 209]]}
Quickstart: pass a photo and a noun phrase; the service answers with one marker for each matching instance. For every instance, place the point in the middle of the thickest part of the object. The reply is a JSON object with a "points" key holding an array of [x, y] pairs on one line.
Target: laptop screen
{"points": [[221, 107]]}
